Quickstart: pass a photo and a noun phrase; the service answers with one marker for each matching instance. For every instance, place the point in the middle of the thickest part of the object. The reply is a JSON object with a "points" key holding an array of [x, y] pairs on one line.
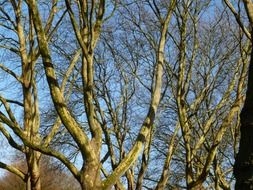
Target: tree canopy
{"points": [[131, 94]]}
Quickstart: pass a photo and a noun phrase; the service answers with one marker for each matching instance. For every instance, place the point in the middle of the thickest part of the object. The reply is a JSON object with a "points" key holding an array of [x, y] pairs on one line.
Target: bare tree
{"points": [[17, 40], [131, 84]]}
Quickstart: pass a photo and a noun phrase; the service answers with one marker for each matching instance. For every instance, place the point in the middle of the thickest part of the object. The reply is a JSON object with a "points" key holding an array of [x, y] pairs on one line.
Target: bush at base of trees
{"points": [[52, 178]]}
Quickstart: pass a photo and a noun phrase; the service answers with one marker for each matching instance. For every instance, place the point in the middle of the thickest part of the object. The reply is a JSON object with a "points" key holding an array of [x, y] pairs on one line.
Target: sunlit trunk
{"points": [[90, 179], [28, 183], [34, 181]]}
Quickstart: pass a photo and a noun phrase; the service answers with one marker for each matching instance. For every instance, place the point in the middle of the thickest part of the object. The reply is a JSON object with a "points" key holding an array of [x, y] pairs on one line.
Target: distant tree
{"points": [[52, 177]]}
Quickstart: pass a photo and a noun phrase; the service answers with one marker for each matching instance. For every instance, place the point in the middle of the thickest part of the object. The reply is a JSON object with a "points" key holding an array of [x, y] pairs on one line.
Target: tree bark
{"points": [[33, 162], [90, 179], [243, 169], [28, 183]]}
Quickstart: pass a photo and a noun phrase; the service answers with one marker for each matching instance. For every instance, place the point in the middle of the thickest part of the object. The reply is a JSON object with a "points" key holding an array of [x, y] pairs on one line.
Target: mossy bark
{"points": [[91, 179], [34, 177]]}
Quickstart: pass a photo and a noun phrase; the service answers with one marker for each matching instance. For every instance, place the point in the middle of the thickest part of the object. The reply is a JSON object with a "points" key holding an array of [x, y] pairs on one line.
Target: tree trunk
{"points": [[243, 169], [198, 187], [28, 183], [91, 179], [35, 177], [34, 180], [130, 180]]}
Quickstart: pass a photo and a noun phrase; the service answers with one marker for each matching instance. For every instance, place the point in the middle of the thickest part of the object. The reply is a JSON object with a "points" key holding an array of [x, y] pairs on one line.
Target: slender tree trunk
{"points": [[243, 169], [166, 167], [28, 183], [35, 176], [130, 180], [34, 181]]}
